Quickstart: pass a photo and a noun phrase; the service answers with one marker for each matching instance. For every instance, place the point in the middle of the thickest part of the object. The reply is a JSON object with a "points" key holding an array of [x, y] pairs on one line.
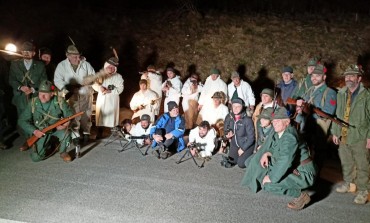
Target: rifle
{"points": [[144, 105], [33, 139], [307, 108]]}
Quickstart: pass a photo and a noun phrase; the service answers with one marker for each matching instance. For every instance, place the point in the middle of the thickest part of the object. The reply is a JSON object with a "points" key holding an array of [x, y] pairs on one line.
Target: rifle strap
{"points": [[323, 99], [27, 76]]}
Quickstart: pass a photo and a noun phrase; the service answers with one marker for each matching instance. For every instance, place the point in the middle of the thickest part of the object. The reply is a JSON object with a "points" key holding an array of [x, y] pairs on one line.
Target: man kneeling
{"points": [[41, 112], [282, 165], [204, 136]]}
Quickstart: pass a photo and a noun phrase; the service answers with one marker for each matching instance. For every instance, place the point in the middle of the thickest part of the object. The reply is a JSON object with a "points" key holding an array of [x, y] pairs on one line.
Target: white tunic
{"points": [[187, 94], [107, 105], [174, 93], [212, 114], [139, 131], [64, 75], [207, 142], [155, 84], [209, 88], [144, 98], [245, 92]]}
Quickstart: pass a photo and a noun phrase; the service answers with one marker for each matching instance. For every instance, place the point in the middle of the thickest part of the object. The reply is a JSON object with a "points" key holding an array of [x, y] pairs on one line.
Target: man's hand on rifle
{"points": [[336, 140], [38, 133], [300, 104], [63, 126]]}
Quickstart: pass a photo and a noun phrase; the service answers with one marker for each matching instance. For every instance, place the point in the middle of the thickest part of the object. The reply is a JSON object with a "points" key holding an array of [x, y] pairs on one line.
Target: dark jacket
{"points": [[243, 129]]}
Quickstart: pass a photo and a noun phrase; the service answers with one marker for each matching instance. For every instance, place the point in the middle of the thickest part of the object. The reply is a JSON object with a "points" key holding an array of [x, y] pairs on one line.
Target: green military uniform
{"points": [[20, 76], [38, 115], [303, 85], [352, 150], [290, 169]]}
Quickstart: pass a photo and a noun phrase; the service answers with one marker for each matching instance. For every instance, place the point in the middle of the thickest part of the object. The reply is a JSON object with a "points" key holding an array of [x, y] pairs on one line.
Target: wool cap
{"points": [[319, 69], [171, 105], [288, 69], [215, 71], [145, 117], [238, 101]]}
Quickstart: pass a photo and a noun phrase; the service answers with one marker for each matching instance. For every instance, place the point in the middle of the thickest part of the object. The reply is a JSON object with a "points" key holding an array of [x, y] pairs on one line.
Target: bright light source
{"points": [[11, 47]]}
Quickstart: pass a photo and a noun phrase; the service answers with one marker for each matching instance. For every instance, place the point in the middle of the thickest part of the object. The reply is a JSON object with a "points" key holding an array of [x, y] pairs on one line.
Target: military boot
{"points": [[361, 197], [344, 188], [299, 202]]}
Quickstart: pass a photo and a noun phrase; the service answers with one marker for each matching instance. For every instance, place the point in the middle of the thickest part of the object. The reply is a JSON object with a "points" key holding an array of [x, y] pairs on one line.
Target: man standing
{"points": [[203, 135], [154, 82], [241, 89], [305, 83], [168, 132], [213, 83], [109, 87], [25, 76], [46, 56], [282, 165], [68, 78], [145, 101], [288, 84], [354, 142], [239, 129], [315, 127], [41, 112], [190, 95], [171, 88]]}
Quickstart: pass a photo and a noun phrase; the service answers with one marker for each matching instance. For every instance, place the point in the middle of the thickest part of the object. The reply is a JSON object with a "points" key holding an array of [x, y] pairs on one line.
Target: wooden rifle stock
{"points": [[33, 139], [307, 108], [144, 105]]}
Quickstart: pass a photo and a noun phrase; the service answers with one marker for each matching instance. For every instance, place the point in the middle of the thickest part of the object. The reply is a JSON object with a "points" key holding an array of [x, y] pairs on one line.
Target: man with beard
{"points": [[45, 56], [171, 88], [314, 127], [354, 142], [143, 129], [205, 136], [283, 165], [239, 129], [69, 79], [25, 76]]}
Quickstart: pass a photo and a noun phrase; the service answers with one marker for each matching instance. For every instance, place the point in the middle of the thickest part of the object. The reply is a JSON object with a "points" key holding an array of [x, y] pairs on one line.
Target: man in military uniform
{"points": [[305, 83], [314, 127], [354, 141], [41, 112], [25, 76], [69, 78], [282, 165]]}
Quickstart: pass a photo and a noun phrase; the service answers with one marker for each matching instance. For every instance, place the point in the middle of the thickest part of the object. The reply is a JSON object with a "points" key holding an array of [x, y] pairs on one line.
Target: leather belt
{"points": [[303, 162]]}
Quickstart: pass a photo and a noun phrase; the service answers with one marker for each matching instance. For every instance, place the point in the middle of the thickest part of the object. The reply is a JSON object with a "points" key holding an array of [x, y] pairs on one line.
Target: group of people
{"points": [[279, 141]]}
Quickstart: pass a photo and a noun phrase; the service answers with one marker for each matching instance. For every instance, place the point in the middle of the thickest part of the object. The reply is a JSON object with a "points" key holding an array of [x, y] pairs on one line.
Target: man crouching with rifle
{"points": [[42, 112]]}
